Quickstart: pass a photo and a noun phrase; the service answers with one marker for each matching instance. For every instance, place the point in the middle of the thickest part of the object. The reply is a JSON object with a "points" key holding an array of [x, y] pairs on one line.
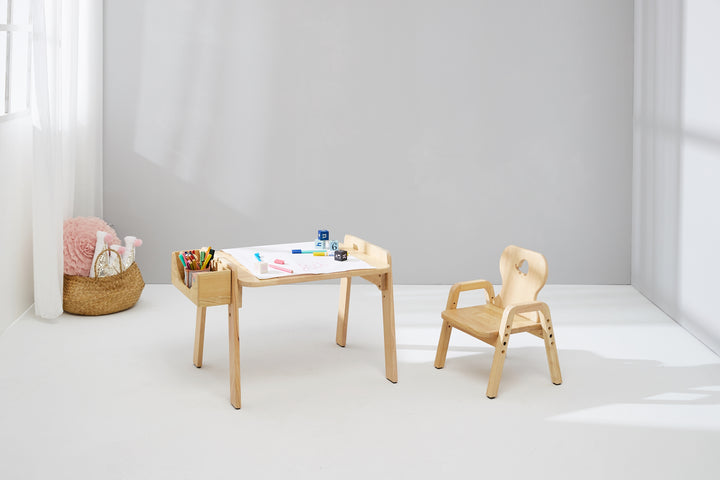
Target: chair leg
{"points": [[442, 349], [551, 350], [497, 366]]}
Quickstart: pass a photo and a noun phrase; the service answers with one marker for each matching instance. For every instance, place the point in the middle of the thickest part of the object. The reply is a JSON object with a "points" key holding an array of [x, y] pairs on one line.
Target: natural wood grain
{"points": [[548, 336], [234, 342], [388, 309], [343, 308], [456, 289], [224, 287], [199, 336], [443, 344], [209, 288], [514, 310], [518, 287], [377, 258], [382, 278]]}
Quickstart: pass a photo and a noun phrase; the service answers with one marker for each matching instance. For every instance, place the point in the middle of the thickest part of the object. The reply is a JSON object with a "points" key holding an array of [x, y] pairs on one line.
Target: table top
{"points": [[377, 257]]}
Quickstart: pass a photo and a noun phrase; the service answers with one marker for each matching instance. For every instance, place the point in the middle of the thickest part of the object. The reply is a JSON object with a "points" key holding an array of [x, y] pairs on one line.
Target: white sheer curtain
{"points": [[67, 117]]}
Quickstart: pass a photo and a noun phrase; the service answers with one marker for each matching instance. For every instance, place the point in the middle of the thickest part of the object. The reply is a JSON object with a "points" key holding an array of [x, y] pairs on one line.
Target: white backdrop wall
{"points": [[16, 232], [676, 227], [443, 131]]}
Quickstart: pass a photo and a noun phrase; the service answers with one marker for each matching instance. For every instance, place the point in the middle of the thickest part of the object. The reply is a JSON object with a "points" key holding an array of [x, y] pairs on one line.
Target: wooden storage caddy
{"points": [[209, 288]]}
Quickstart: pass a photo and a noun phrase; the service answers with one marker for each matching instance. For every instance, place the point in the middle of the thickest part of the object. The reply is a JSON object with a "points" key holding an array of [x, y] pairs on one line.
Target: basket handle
{"points": [[108, 250]]}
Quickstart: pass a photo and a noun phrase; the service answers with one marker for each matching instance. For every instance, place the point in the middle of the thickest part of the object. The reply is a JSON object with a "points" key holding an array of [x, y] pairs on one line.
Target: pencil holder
{"points": [[190, 275]]}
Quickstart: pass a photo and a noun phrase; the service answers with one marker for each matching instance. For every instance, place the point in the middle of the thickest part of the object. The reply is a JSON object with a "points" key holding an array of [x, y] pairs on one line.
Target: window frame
{"points": [[12, 29]]}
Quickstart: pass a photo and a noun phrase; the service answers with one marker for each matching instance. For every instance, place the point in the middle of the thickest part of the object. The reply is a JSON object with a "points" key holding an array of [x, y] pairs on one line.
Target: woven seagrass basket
{"points": [[102, 295]]}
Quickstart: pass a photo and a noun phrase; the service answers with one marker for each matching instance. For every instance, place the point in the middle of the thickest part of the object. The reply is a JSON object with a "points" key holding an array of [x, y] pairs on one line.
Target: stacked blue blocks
{"points": [[323, 242]]}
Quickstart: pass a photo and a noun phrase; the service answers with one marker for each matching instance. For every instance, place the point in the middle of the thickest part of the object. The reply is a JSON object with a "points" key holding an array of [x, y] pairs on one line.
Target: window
{"points": [[14, 56]]}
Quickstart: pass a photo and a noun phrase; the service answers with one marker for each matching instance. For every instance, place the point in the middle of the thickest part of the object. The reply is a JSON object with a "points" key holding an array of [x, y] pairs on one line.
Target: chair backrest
{"points": [[518, 287]]}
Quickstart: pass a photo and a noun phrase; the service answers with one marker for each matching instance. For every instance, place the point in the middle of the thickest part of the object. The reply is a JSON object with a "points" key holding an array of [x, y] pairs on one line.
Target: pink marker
{"points": [[272, 265], [281, 262]]}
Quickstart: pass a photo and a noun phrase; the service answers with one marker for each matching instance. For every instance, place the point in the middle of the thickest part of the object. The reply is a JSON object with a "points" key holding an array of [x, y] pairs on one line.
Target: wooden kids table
{"points": [[224, 287]]}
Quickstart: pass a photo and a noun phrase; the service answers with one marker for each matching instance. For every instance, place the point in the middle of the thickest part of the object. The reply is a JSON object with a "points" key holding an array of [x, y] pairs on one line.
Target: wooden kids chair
{"points": [[514, 310]]}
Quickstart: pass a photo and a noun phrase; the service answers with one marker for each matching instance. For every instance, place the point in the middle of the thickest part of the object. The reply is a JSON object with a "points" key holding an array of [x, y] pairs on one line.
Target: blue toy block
{"points": [[323, 235], [333, 245], [319, 244]]}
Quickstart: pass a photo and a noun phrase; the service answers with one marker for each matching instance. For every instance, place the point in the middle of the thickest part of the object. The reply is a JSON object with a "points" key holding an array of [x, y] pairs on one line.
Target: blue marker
{"points": [[257, 255]]}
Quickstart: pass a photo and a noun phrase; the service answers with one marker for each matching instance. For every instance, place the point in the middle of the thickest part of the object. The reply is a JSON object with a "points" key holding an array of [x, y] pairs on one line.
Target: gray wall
{"points": [[443, 131]]}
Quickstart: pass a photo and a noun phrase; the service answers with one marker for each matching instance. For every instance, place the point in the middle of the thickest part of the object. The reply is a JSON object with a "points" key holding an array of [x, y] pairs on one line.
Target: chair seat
{"points": [[483, 321]]}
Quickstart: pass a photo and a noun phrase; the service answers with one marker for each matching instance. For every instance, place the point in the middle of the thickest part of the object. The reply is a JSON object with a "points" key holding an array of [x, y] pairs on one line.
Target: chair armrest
{"points": [[469, 285], [525, 307]]}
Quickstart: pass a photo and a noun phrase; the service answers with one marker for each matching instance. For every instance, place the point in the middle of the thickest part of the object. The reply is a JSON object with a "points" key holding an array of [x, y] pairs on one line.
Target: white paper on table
{"points": [[299, 263]]}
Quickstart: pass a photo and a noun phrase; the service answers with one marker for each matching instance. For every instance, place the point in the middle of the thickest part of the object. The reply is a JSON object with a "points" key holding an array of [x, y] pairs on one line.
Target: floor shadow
{"points": [[589, 379]]}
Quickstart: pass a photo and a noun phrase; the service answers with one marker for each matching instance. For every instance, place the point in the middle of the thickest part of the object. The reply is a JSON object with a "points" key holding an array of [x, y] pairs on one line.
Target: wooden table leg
{"points": [[341, 335], [388, 309], [234, 341], [199, 336]]}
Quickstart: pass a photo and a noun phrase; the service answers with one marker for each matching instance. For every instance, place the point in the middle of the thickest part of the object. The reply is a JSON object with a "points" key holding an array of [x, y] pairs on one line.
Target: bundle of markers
{"points": [[195, 260]]}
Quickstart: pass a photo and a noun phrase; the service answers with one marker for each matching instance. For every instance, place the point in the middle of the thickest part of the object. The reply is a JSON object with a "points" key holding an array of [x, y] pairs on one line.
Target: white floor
{"points": [[117, 397]]}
